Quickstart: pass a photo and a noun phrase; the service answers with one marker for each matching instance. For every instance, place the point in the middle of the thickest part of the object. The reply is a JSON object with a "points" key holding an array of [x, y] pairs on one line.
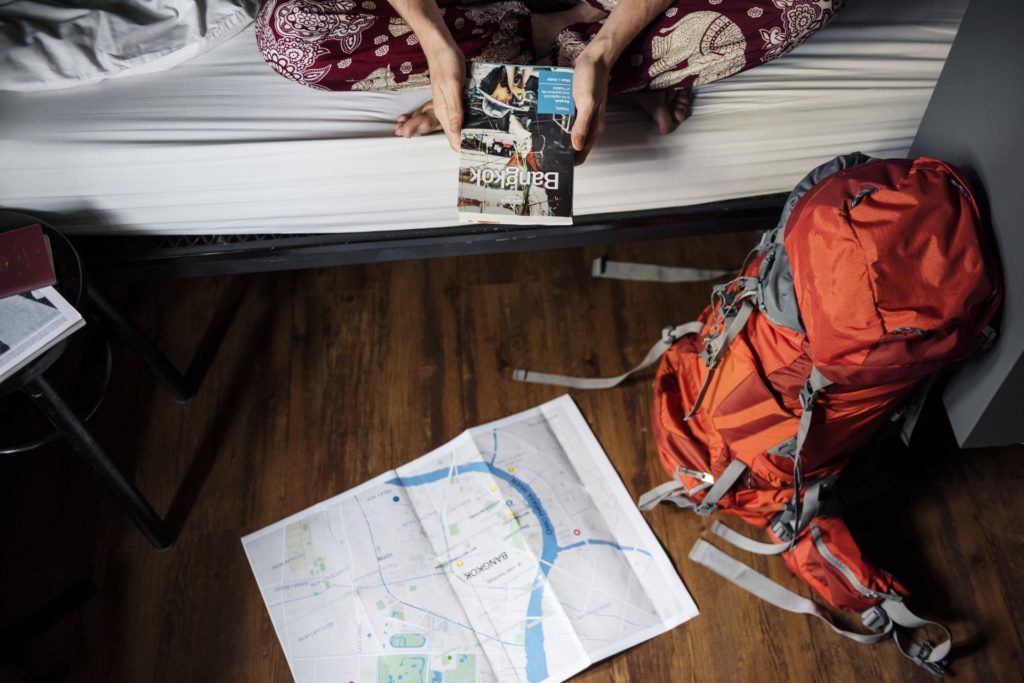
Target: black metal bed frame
{"points": [[161, 257], [155, 257]]}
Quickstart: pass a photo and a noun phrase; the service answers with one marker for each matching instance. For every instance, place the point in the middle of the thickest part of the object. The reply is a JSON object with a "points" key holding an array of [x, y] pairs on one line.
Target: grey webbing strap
{"points": [[704, 477], [990, 335], [663, 493], [733, 570], [923, 654], [679, 500], [648, 272], [815, 383], [812, 502], [671, 491], [721, 487], [746, 308], [808, 397], [745, 543], [698, 488], [811, 507], [913, 408], [669, 336]]}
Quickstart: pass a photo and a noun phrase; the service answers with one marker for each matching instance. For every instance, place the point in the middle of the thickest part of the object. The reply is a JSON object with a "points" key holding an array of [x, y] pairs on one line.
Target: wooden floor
{"points": [[326, 378]]}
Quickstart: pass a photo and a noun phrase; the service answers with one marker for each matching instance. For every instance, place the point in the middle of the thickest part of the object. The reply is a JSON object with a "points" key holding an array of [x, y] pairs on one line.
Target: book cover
{"points": [[25, 261], [516, 161]]}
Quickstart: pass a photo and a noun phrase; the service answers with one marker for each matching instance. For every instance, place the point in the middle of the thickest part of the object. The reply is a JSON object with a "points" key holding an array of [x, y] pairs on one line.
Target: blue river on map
{"points": [[536, 660]]}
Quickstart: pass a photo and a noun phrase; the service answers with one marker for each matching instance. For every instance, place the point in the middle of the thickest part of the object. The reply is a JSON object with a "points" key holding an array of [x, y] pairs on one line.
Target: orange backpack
{"points": [[876, 277]]}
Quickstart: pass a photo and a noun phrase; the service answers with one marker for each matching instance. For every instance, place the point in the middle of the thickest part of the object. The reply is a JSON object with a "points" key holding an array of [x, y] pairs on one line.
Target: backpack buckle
{"points": [[990, 336], [807, 395], [707, 354], [782, 524], [875, 619], [923, 651], [728, 300], [919, 654], [706, 509]]}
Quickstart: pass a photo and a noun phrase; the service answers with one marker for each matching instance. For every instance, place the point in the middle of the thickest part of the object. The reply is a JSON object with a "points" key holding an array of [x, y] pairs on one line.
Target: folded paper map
{"points": [[512, 553]]}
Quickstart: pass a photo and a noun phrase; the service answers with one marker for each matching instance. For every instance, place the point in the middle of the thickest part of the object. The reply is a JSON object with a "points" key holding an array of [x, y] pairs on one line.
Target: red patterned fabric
{"points": [[365, 45]]}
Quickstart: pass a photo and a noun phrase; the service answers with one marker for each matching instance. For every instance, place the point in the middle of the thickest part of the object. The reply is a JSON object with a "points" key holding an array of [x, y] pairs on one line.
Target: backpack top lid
{"points": [[890, 270]]}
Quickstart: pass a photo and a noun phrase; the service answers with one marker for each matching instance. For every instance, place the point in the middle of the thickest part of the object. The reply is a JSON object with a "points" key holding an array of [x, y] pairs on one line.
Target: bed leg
{"points": [[180, 386]]}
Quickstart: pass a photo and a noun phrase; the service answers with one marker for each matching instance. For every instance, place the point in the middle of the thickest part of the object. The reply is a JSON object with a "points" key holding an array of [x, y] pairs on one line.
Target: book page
{"points": [[31, 323]]}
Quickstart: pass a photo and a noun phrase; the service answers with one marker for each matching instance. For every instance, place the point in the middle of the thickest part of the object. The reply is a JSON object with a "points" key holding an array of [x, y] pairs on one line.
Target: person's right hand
{"points": [[590, 93], [447, 67]]}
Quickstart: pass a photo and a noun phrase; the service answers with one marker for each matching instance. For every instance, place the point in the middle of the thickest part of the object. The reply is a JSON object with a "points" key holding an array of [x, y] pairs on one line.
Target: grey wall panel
{"points": [[975, 119]]}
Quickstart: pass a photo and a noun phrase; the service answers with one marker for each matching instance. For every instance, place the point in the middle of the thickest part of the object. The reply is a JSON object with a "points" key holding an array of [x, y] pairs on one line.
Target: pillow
{"points": [[47, 44]]}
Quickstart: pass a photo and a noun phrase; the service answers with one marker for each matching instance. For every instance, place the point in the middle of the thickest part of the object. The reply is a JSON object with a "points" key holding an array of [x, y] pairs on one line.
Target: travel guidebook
{"points": [[31, 323], [513, 553], [517, 158]]}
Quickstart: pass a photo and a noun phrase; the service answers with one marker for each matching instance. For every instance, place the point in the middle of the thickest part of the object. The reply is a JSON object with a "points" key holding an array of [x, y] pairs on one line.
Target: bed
{"points": [[220, 147]]}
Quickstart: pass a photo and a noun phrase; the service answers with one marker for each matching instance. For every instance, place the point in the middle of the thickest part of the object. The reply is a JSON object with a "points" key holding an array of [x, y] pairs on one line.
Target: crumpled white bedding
{"points": [[46, 45], [221, 144]]}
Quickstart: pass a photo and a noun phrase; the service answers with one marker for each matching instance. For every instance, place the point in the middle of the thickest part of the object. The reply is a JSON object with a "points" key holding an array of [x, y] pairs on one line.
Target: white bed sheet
{"points": [[223, 145]]}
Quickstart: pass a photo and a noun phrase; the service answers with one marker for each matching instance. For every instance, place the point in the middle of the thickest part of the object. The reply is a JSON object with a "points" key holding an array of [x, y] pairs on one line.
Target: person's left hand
{"points": [[590, 92]]}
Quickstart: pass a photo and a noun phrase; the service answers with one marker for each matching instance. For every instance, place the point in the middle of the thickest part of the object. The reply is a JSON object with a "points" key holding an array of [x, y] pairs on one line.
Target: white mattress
{"points": [[221, 144]]}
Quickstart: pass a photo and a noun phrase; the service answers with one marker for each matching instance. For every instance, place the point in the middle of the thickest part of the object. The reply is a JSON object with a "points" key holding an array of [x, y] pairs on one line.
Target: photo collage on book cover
{"points": [[517, 157]]}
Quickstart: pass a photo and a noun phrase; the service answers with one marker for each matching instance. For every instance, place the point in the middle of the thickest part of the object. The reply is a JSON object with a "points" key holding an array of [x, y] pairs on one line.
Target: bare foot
{"points": [[420, 122], [667, 108]]}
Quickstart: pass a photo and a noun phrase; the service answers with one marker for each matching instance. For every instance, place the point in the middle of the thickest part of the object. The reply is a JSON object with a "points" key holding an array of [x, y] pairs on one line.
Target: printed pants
{"points": [[365, 45]]}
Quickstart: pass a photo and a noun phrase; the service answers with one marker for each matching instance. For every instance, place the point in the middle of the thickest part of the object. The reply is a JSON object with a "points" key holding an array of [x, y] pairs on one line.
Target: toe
{"points": [[423, 126], [401, 124], [413, 126], [666, 124], [682, 105]]}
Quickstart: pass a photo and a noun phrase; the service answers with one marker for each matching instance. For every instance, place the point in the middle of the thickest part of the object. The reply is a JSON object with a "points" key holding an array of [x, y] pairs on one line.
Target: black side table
{"points": [[31, 380]]}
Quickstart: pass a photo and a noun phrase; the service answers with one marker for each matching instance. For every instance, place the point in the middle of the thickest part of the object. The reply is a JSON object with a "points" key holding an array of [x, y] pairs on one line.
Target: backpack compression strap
{"points": [[619, 270], [674, 491], [889, 617], [718, 345], [648, 272], [669, 336], [791, 521], [781, 524]]}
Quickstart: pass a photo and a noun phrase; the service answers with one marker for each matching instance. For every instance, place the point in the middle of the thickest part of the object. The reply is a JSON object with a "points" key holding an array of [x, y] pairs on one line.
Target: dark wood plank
{"points": [[328, 377]]}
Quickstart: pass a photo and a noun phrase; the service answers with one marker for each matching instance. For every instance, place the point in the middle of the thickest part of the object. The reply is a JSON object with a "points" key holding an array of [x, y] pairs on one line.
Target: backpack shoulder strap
{"points": [[731, 569], [891, 617]]}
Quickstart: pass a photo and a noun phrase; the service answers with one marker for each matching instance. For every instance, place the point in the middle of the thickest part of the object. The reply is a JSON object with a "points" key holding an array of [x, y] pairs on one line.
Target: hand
{"points": [[447, 67], [590, 92]]}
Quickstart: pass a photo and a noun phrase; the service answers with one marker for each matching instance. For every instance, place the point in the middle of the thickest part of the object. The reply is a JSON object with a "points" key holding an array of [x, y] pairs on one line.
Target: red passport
{"points": [[25, 261]]}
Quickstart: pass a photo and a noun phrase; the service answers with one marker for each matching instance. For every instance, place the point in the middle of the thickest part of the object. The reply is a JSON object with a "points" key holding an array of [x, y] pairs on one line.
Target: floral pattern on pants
{"points": [[364, 44]]}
